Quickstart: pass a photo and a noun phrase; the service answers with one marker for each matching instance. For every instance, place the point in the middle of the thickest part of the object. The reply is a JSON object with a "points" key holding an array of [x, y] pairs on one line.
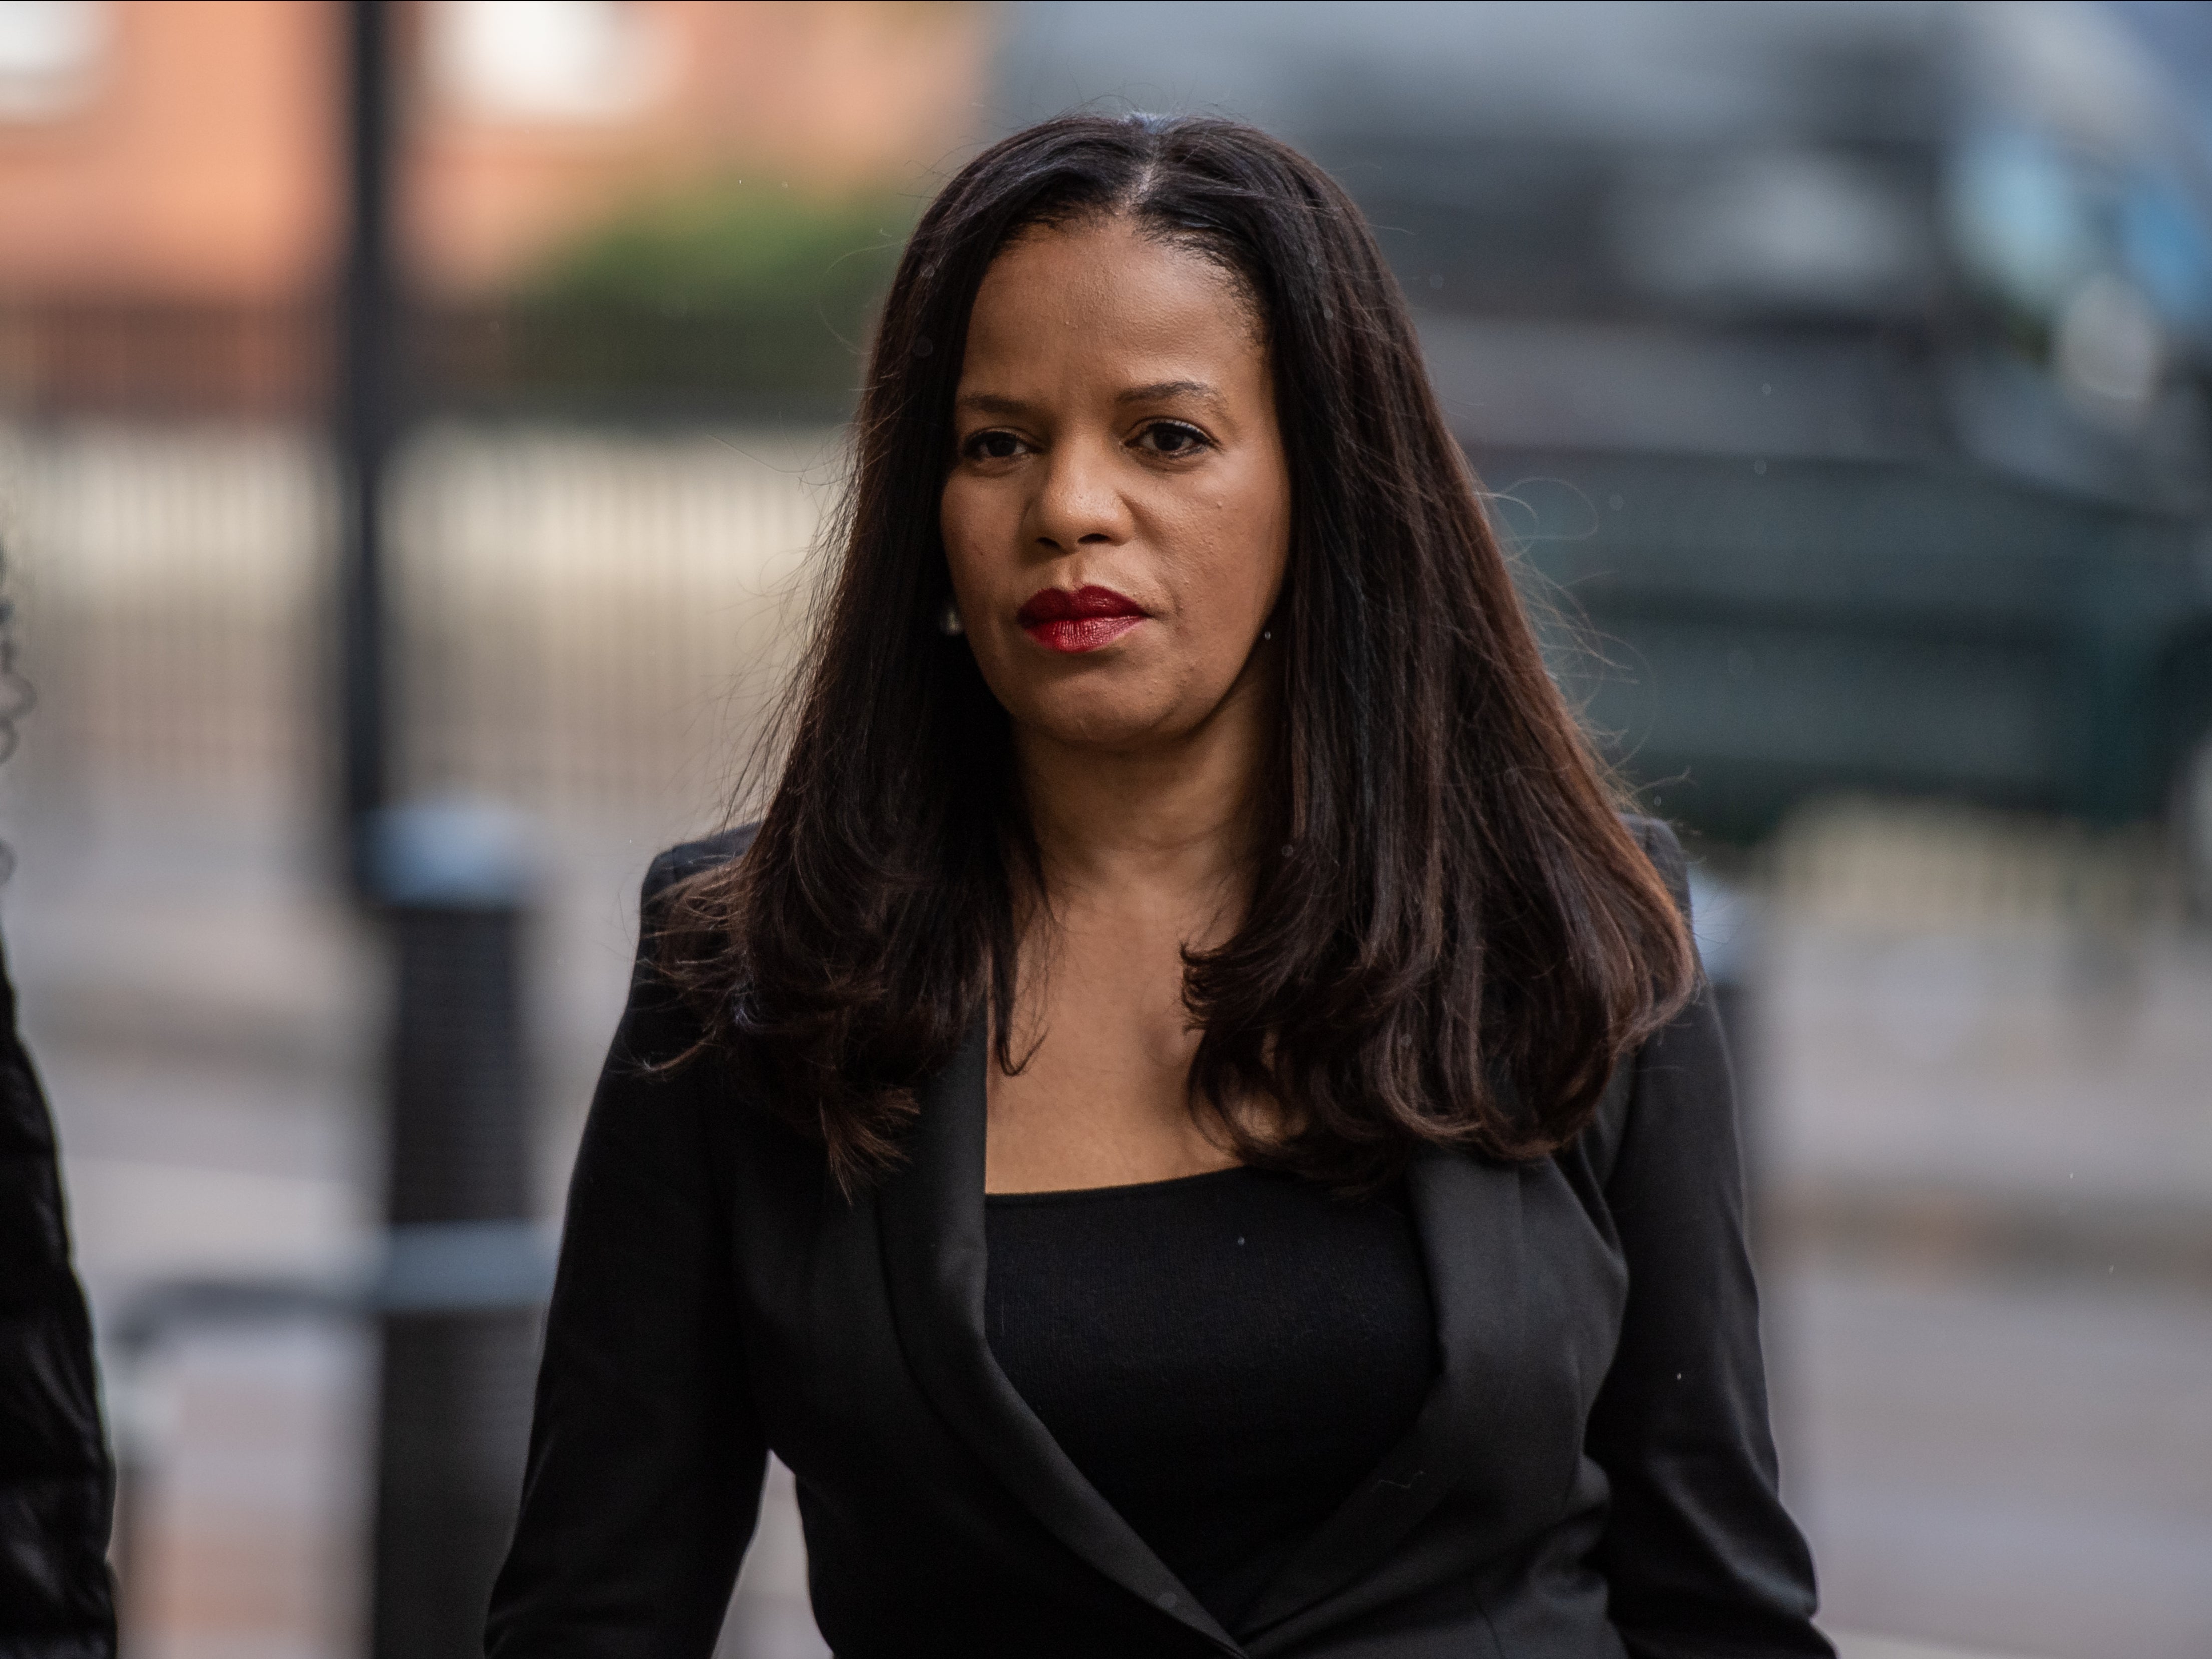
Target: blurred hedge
{"points": [[738, 293]]}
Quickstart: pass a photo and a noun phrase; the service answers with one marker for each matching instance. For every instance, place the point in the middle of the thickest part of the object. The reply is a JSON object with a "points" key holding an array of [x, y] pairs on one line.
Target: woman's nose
{"points": [[1081, 501]]}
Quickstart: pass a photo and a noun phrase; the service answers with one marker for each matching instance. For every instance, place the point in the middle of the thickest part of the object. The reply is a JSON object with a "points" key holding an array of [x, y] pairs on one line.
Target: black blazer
{"points": [[1592, 1473]]}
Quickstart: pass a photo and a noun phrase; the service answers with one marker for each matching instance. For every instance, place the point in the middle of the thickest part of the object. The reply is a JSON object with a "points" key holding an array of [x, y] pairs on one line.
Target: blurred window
{"points": [[2024, 219], [50, 56], [2107, 256], [2168, 251], [549, 61], [1791, 230]]}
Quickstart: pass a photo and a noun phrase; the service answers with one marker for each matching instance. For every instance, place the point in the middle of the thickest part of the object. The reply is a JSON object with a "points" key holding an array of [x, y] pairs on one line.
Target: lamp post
{"points": [[365, 423], [462, 1276]]}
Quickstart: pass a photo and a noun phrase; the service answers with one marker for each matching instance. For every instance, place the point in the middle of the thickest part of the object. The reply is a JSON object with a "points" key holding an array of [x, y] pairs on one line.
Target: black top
{"points": [[1590, 1475], [1224, 1357]]}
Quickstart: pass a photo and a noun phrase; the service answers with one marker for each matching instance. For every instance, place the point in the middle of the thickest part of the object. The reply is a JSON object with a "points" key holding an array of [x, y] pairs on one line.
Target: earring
{"points": [[948, 621]]}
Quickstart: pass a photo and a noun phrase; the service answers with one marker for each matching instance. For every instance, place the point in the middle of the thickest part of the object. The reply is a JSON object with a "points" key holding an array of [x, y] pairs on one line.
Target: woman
{"points": [[1192, 1126]]}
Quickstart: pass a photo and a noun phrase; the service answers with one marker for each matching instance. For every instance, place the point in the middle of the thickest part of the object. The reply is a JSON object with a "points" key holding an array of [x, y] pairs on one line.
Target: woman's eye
{"points": [[1172, 438], [993, 446]]}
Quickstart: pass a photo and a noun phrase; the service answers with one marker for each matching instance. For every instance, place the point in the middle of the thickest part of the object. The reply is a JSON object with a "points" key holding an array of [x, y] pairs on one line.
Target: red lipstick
{"points": [[1082, 621]]}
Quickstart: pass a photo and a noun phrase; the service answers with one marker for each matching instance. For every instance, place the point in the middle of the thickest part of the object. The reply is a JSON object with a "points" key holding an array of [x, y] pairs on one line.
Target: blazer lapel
{"points": [[934, 1262], [1469, 1216]]}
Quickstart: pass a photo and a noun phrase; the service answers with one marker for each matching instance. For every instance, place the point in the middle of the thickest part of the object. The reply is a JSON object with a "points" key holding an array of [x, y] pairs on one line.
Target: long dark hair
{"points": [[1452, 939]]}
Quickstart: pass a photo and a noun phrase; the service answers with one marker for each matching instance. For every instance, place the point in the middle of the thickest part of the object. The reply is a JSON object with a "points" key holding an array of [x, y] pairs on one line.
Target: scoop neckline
{"points": [[1125, 1190]]}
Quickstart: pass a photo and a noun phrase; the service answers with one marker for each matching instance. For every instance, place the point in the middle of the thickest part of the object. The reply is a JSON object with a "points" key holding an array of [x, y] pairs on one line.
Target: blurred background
{"points": [[1840, 372]]}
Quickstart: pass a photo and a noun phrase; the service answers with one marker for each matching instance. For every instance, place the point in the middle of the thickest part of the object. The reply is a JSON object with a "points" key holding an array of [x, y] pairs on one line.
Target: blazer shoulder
{"points": [[695, 858], [1664, 849]]}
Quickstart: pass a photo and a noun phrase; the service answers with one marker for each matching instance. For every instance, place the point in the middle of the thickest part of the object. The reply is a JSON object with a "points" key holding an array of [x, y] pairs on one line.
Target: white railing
{"points": [[589, 616]]}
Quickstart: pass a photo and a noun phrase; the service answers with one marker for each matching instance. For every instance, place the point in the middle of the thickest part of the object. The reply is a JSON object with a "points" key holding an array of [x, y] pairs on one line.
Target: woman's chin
{"points": [[1105, 725]]}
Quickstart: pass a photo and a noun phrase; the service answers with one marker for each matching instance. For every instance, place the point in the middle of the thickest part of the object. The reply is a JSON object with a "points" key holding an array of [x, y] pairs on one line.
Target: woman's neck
{"points": [[1147, 856], [1180, 815]]}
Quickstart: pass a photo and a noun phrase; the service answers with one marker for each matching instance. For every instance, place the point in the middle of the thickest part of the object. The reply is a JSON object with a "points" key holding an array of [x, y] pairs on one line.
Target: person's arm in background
{"points": [[57, 1482]]}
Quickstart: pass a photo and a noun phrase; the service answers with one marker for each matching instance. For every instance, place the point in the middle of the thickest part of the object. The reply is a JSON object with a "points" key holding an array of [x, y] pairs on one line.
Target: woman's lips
{"points": [[1082, 621]]}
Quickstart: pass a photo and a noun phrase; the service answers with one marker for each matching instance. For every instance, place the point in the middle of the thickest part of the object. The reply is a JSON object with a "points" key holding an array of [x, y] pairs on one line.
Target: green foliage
{"points": [[739, 291]]}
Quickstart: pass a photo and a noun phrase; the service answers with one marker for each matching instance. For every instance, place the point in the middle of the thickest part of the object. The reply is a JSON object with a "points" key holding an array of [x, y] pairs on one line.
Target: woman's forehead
{"points": [[1106, 287]]}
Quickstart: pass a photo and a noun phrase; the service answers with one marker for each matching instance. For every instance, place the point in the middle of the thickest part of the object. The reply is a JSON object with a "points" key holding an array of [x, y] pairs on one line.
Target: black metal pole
{"points": [[365, 428], [459, 1347]]}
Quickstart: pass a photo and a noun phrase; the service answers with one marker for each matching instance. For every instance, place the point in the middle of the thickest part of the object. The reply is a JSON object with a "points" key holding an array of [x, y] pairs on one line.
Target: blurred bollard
{"points": [[458, 1328]]}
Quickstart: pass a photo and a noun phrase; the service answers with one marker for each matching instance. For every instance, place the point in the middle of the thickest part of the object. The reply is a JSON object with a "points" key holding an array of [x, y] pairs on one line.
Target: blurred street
{"points": [[1989, 1166]]}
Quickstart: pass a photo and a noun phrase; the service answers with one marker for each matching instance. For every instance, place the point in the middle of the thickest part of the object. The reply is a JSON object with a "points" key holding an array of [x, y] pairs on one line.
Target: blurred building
{"points": [[1849, 365], [170, 176]]}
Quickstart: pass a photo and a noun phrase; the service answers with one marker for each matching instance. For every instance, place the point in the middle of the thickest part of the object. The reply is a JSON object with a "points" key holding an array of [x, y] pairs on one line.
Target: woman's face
{"points": [[1117, 517]]}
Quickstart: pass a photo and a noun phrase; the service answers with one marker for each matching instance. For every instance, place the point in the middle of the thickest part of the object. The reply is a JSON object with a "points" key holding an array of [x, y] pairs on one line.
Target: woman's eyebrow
{"points": [[1160, 391], [990, 403]]}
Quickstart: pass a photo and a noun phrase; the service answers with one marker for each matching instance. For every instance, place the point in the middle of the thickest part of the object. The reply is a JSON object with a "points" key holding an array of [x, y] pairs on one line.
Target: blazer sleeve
{"points": [[1700, 1558], [646, 1457]]}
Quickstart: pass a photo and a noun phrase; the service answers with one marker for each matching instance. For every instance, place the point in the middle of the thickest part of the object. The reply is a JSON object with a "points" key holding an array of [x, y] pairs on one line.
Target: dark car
{"points": [[1840, 371]]}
